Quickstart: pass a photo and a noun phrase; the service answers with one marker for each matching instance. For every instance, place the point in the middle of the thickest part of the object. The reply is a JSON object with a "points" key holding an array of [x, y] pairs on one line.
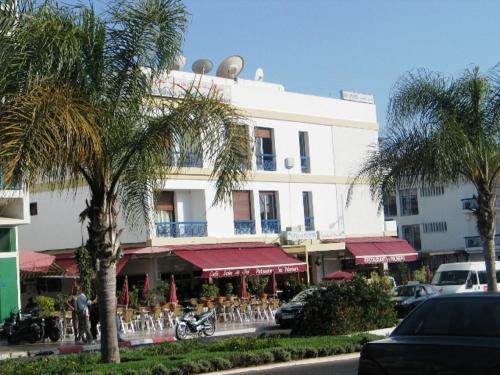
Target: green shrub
{"points": [[228, 289], [46, 305], [311, 353], [346, 307], [281, 355], [267, 357], [209, 290], [160, 369], [221, 364], [130, 372]]}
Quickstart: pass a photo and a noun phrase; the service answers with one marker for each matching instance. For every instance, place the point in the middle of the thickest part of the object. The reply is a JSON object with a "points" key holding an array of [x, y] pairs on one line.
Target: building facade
{"points": [[306, 150], [14, 211], [438, 221]]}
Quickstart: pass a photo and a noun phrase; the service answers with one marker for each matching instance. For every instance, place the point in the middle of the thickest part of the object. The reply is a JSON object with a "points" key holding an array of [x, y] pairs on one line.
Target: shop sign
{"points": [[298, 236], [329, 235], [383, 259], [259, 271]]}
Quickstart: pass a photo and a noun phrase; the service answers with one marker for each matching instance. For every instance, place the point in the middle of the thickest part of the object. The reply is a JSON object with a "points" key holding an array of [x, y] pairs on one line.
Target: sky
{"points": [[319, 47]]}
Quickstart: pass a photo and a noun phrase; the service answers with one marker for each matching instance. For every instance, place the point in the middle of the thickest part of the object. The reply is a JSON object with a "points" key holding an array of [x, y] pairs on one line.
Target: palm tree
{"points": [[443, 131], [77, 105]]}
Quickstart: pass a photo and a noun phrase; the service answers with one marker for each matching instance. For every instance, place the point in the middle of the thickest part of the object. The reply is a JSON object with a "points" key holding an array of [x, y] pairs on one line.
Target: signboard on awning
{"points": [[376, 250]]}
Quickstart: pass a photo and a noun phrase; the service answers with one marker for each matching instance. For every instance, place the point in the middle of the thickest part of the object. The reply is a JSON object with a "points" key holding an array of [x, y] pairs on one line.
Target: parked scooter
{"points": [[52, 327], [191, 324], [23, 327]]}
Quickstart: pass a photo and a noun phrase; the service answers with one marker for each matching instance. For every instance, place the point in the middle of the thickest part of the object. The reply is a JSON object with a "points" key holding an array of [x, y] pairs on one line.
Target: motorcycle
{"points": [[23, 327], [191, 324]]}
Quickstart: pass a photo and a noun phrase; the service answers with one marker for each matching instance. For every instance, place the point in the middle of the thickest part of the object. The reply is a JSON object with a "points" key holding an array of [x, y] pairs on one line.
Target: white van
{"points": [[462, 277]]}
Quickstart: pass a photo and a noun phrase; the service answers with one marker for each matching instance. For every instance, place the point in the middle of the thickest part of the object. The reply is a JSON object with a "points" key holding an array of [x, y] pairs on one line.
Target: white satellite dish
{"points": [[202, 66], [179, 62], [259, 75], [230, 67]]}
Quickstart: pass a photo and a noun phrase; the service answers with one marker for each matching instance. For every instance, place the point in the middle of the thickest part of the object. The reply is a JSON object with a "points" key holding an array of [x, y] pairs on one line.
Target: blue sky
{"points": [[322, 46]]}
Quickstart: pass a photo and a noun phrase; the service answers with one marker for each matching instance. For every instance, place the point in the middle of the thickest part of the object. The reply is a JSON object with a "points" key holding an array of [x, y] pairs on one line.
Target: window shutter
{"points": [[241, 205], [263, 133], [166, 201]]}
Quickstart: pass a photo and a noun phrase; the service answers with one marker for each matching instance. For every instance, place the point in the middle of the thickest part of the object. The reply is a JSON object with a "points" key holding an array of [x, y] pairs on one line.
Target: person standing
{"points": [[82, 310], [94, 318], [71, 303]]}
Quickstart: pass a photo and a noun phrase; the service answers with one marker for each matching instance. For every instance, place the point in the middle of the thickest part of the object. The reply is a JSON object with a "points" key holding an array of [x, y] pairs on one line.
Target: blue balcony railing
{"points": [[309, 222], [270, 226], [266, 162], [475, 241], [244, 227], [305, 164], [181, 229], [188, 159]]}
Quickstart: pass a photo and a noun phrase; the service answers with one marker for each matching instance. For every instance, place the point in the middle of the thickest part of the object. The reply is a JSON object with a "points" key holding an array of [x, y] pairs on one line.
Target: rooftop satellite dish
{"points": [[259, 75], [179, 63], [230, 67], [202, 66]]}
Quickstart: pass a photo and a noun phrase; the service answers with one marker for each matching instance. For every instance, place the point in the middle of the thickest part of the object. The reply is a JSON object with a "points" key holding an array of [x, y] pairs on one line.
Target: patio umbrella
{"points": [[124, 296], [338, 275], [147, 286], [274, 286], [74, 288], [172, 295], [244, 290]]}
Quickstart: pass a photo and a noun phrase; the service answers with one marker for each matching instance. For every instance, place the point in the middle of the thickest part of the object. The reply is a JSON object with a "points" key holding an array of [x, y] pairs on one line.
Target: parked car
{"points": [[463, 277], [451, 334], [407, 297], [288, 312]]}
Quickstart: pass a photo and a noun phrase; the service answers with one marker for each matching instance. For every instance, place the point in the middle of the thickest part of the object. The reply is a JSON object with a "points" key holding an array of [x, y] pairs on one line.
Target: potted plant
{"points": [[209, 291], [228, 290], [260, 285]]}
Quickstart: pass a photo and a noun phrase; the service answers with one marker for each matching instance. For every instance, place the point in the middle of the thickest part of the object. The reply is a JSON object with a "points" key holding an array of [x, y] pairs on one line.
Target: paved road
{"points": [[344, 367]]}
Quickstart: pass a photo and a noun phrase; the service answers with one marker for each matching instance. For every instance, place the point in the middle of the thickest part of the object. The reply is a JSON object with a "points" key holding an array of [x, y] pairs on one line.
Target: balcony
{"points": [[270, 226], [181, 229], [309, 223], [266, 162], [186, 160], [305, 164], [475, 242], [244, 227], [470, 204]]}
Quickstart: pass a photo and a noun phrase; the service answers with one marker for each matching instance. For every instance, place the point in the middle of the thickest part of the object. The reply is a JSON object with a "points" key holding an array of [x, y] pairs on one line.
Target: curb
{"points": [[303, 362], [71, 349]]}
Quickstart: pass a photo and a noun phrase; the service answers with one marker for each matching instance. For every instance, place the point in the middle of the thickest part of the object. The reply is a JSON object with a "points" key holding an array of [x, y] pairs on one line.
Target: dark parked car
{"points": [[288, 312], [452, 334], [407, 297]]}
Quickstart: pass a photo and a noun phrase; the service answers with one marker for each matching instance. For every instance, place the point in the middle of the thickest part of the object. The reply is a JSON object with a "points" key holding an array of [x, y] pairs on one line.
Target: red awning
{"points": [[230, 260], [68, 262], [32, 264], [372, 250]]}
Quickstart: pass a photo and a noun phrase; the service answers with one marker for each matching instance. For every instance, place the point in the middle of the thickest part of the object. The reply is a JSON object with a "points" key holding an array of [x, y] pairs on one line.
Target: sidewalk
{"points": [[67, 346]]}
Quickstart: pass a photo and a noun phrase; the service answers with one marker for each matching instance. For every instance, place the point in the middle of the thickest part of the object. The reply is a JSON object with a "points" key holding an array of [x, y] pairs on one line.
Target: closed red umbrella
{"points": [[124, 296], [74, 288], [244, 289], [172, 295], [147, 286], [338, 275], [274, 286]]}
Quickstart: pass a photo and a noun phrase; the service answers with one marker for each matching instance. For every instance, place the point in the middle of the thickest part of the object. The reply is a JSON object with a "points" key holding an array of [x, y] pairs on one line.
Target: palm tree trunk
{"points": [[486, 225], [104, 246]]}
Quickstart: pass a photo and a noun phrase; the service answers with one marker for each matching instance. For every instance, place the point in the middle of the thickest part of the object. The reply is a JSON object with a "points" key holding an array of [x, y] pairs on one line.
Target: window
{"points": [[435, 227], [165, 208], [408, 202], [33, 209], [411, 233], [390, 206], [49, 284], [264, 148], [269, 212], [305, 162], [7, 239], [308, 210], [242, 210], [431, 191]]}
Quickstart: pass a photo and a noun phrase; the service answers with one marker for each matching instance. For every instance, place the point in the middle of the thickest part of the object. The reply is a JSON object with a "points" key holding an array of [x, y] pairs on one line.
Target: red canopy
{"points": [[229, 260], [68, 262], [372, 250], [338, 275], [33, 263]]}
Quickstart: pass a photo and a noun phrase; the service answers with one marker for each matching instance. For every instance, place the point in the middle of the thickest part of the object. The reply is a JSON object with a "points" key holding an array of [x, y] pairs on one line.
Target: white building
{"points": [[307, 148], [438, 221]]}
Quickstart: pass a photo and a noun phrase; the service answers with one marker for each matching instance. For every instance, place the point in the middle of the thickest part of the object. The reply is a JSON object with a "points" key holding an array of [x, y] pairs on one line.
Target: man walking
{"points": [[82, 310]]}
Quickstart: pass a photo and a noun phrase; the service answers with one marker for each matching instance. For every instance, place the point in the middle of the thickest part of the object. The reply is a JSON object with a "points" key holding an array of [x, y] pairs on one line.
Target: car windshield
{"points": [[477, 317], [405, 291], [450, 278], [301, 297]]}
